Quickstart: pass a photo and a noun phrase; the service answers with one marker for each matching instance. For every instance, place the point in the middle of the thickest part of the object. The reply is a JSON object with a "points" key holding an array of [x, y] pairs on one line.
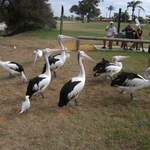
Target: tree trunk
{"points": [[88, 18], [133, 9], [82, 18], [109, 13]]}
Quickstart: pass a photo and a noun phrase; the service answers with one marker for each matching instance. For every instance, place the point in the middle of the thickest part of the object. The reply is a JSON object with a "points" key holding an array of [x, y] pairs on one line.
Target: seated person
{"points": [[138, 35], [129, 34]]}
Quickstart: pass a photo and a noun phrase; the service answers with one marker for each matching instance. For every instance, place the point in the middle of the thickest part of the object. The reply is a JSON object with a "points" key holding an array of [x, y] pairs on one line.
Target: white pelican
{"points": [[14, 69], [73, 87], [130, 82], [110, 69], [57, 61], [100, 67], [147, 71], [38, 84]]}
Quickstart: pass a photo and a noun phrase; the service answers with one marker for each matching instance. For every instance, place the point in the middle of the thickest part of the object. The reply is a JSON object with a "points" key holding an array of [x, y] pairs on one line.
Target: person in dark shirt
{"points": [[129, 34], [138, 35]]}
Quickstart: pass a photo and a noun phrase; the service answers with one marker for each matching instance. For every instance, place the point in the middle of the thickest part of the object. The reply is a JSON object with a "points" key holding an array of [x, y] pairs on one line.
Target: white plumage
{"points": [[14, 69], [147, 73], [38, 84], [73, 87], [25, 105], [130, 82], [57, 61], [110, 69]]}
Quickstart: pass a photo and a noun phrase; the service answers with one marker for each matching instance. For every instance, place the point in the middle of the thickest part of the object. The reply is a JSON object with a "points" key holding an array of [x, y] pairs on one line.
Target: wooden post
{"points": [[149, 49], [61, 20], [119, 20], [77, 44]]}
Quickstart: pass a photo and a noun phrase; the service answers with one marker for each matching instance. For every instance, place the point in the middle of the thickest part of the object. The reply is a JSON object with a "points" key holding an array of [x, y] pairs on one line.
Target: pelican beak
{"points": [[119, 58], [35, 58], [54, 50], [123, 57], [88, 57], [64, 38]]}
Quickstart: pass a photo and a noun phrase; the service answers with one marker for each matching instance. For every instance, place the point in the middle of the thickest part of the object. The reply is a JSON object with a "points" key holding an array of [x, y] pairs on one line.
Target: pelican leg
{"points": [[77, 103], [131, 96], [134, 98], [43, 96], [54, 72], [10, 76], [56, 75]]}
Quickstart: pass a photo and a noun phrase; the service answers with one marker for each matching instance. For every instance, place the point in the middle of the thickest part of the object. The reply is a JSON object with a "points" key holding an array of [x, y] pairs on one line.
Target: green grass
{"points": [[83, 29], [107, 120]]}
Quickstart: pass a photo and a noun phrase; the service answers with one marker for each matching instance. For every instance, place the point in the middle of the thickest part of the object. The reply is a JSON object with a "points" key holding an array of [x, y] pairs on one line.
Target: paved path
{"points": [[99, 47]]}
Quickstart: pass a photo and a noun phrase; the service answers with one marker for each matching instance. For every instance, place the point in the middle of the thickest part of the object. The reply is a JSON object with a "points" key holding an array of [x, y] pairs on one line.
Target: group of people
{"points": [[130, 33]]}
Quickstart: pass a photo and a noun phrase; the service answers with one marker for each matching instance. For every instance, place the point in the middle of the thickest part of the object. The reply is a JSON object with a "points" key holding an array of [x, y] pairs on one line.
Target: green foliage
{"points": [[25, 15], [124, 16], [134, 5], [110, 9], [86, 8]]}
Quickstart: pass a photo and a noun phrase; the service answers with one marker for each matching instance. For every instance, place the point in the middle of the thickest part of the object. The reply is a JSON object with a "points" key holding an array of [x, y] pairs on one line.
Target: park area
{"points": [[107, 120]]}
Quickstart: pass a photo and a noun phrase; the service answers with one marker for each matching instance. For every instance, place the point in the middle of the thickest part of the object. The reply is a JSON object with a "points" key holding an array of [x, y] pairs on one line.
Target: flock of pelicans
{"points": [[126, 81]]}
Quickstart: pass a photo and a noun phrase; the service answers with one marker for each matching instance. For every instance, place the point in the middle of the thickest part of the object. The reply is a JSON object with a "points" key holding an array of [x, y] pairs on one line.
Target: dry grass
{"points": [[107, 120]]}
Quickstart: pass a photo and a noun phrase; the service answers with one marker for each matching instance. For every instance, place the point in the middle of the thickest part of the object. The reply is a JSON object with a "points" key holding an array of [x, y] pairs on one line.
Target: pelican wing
{"points": [[112, 68], [101, 65], [53, 59], [127, 79], [64, 97], [33, 85], [15, 66]]}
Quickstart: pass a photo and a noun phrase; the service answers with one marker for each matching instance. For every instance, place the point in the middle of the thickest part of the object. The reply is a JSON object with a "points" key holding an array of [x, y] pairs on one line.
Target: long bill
{"points": [[88, 57]]}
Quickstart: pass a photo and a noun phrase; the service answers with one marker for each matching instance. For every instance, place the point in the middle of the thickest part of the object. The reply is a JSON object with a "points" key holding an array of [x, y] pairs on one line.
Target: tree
{"points": [[24, 15], [86, 8], [110, 9], [124, 16], [134, 5]]}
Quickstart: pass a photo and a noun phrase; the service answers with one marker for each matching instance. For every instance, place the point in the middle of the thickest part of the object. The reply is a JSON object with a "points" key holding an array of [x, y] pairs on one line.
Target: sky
{"points": [[56, 6]]}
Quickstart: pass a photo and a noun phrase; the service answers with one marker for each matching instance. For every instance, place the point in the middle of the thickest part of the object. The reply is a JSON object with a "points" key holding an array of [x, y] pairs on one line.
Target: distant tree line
{"points": [[25, 15], [86, 8]]}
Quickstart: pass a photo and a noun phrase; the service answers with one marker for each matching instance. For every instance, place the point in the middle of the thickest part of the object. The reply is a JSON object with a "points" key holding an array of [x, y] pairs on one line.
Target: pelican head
{"points": [[119, 58], [147, 73], [37, 54], [48, 50], [63, 38], [82, 54]]}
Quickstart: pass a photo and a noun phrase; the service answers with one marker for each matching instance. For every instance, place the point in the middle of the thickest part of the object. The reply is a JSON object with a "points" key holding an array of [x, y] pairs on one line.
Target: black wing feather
{"points": [[100, 64], [19, 69], [101, 67], [122, 77], [32, 82], [66, 89], [52, 60]]}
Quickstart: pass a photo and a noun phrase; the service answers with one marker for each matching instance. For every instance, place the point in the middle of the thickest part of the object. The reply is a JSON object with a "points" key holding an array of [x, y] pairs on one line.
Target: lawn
{"points": [[107, 120], [85, 29]]}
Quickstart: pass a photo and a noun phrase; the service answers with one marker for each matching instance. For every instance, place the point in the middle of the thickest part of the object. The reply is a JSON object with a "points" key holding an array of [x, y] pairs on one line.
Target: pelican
{"points": [[38, 84], [130, 82], [57, 61], [100, 67], [147, 71], [73, 87], [14, 69], [110, 69], [37, 53]]}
